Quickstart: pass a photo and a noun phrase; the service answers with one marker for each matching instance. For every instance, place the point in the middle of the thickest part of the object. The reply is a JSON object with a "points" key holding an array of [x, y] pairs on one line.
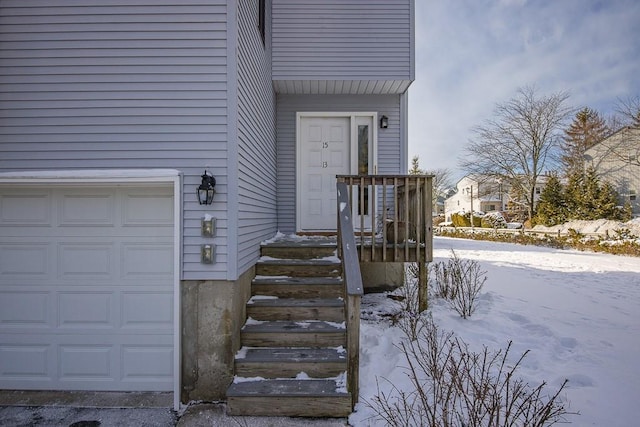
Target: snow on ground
{"points": [[578, 313], [597, 226]]}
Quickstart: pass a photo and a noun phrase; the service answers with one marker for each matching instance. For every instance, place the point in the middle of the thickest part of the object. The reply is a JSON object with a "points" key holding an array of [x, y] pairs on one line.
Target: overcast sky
{"points": [[472, 54]]}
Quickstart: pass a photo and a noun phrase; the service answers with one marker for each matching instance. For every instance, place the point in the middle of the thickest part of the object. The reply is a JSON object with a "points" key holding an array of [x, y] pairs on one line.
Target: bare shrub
{"points": [[456, 387], [459, 281], [409, 319]]}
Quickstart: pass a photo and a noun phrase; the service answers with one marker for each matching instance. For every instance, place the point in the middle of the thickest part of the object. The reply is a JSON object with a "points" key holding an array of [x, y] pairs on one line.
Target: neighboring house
{"points": [[112, 111], [475, 194], [488, 194], [616, 159]]}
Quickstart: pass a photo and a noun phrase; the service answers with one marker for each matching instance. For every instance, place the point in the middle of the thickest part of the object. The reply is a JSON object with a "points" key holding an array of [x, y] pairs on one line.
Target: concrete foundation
{"points": [[382, 276], [213, 312]]}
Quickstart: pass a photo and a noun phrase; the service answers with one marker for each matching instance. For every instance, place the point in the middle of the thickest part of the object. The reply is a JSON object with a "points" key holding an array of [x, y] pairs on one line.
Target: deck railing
{"points": [[393, 219]]}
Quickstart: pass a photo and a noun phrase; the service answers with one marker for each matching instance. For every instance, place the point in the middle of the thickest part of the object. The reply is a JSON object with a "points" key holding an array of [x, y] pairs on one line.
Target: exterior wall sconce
{"points": [[206, 254], [206, 190], [208, 226], [384, 122]]}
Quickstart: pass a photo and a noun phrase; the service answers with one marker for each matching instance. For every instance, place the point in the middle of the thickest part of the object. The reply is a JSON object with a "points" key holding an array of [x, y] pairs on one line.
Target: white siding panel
{"points": [[389, 144], [346, 40], [99, 84]]}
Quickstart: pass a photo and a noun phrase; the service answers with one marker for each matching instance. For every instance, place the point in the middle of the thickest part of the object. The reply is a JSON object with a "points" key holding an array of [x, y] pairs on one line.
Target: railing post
{"points": [[353, 346], [427, 254]]}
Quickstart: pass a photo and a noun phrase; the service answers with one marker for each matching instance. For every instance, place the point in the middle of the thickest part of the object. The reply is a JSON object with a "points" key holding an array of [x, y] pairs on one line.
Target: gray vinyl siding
{"points": [[103, 84], [343, 40], [389, 141], [257, 209]]}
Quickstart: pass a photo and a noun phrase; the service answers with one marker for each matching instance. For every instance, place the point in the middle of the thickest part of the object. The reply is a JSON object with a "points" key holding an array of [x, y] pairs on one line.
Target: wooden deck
{"points": [[369, 249]]}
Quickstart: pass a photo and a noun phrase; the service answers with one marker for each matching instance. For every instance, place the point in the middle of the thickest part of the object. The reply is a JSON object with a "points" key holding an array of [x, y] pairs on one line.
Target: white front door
{"points": [[331, 144], [324, 152]]}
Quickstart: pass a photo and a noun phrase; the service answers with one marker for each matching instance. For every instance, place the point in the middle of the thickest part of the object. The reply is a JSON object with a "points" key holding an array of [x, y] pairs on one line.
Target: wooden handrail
{"points": [[348, 252]]}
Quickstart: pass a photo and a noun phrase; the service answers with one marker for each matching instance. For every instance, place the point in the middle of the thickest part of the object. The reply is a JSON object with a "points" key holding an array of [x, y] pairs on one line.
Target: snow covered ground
{"points": [[597, 226], [578, 313]]}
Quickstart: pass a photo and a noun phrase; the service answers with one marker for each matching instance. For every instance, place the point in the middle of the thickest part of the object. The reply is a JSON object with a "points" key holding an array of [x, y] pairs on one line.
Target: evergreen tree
{"points": [[586, 130], [586, 198], [415, 166], [573, 195], [552, 209], [609, 206], [590, 197]]}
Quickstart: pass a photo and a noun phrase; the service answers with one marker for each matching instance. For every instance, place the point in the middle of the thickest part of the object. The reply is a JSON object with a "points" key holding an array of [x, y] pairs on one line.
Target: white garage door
{"points": [[86, 288]]}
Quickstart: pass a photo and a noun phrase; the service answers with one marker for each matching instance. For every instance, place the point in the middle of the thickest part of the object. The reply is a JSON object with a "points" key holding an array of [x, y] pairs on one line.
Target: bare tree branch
{"points": [[516, 145]]}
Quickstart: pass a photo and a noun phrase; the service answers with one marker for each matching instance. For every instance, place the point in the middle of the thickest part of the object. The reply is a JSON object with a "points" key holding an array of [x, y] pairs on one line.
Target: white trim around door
{"points": [[330, 144]]}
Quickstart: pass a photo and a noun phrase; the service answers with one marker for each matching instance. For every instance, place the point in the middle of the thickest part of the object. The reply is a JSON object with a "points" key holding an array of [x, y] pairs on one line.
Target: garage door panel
{"points": [[20, 259], [146, 261], [86, 362], [148, 209], [86, 310], [25, 361], [87, 209], [87, 260], [25, 309], [86, 288], [148, 363], [147, 310], [18, 209], [94, 362]]}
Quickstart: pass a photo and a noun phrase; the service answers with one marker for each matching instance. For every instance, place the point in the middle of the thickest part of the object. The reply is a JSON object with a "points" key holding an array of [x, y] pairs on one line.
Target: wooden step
{"points": [[299, 268], [288, 397], [293, 334], [303, 249], [274, 308], [298, 287], [289, 362], [308, 251]]}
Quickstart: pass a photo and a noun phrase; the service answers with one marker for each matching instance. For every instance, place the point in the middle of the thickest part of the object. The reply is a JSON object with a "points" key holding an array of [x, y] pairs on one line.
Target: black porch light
{"points": [[384, 122], [206, 190]]}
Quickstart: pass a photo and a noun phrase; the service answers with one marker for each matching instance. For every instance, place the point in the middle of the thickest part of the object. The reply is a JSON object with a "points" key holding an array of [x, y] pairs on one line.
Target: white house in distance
{"points": [[475, 194], [616, 160], [113, 275], [486, 194]]}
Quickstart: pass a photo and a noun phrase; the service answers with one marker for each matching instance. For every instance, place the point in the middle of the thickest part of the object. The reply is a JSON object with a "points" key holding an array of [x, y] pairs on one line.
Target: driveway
{"points": [[89, 409]]}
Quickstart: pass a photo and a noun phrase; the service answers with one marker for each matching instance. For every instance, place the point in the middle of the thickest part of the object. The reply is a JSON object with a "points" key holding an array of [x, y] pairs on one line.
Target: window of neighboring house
{"points": [[491, 208], [261, 18], [632, 195], [538, 190]]}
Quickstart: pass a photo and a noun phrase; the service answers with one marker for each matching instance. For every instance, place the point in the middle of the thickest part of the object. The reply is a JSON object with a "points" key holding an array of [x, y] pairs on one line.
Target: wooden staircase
{"points": [[293, 358]]}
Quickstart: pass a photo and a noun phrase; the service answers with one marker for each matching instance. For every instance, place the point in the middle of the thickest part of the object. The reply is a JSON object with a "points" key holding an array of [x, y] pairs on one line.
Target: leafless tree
{"points": [[516, 144], [628, 111]]}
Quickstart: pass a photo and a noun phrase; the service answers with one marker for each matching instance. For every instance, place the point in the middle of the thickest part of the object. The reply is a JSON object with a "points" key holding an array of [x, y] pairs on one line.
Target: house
{"points": [[113, 276], [616, 159], [487, 194], [474, 193]]}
